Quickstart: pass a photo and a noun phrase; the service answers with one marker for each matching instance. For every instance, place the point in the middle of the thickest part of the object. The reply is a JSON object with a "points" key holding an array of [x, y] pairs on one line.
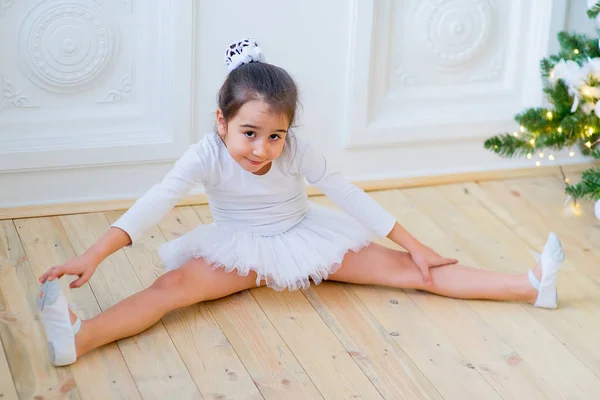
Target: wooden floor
{"points": [[333, 340]]}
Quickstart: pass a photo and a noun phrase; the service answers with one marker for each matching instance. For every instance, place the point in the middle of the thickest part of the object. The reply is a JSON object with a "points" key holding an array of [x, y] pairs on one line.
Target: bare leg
{"points": [[193, 282], [378, 265]]}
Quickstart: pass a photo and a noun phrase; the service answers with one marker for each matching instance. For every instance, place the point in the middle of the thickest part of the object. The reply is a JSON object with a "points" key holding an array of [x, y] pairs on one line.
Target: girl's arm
{"points": [[85, 265], [366, 210], [114, 239], [188, 171], [402, 237]]}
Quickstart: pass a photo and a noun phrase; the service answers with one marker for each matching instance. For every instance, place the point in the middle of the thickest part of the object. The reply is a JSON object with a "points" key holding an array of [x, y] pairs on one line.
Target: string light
{"points": [[571, 153], [588, 144], [576, 51], [550, 157], [529, 156], [541, 155], [549, 114], [559, 129], [589, 131], [515, 134], [532, 141], [537, 163], [522, 128], [573, 208]]}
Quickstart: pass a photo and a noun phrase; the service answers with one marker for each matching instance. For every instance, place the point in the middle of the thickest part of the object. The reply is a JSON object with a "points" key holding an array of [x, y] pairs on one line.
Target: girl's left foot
{"points": [[57, 321], [543, 276]]}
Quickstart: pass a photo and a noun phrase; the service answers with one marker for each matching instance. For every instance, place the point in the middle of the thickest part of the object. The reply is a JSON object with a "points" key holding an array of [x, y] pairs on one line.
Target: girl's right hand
{"points": [[81, 266]]}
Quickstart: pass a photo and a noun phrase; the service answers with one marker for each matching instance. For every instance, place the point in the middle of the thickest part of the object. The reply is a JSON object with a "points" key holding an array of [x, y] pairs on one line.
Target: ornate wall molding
{"points": [[453, 32], [66, 47], [5, 5], [419, 70], [75, 57], [435, 39], [122, 91], [13, 97]]}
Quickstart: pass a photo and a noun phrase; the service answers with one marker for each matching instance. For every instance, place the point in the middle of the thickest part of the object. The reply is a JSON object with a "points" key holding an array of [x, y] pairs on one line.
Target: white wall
{"points": [[390, 88], [576, 18]]}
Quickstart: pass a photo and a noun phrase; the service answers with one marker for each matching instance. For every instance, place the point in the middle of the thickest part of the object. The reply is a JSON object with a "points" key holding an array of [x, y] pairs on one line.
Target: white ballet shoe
{"points": [[551, 259], [54, 314]]}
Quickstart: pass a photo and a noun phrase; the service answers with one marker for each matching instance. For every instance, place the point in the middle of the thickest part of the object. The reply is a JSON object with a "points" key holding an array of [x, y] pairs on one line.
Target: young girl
{"points": [[266, 232]]}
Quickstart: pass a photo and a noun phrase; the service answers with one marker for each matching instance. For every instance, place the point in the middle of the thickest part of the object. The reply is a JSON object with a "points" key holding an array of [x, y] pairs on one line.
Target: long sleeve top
{"points": [[268, 204]]}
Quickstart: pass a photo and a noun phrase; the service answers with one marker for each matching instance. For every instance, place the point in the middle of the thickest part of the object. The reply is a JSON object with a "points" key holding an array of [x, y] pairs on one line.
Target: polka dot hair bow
{"points": [[241, 52]]}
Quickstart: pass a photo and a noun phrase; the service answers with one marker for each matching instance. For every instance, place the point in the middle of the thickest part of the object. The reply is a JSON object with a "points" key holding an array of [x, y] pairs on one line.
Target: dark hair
{"points": [[259, 81]]}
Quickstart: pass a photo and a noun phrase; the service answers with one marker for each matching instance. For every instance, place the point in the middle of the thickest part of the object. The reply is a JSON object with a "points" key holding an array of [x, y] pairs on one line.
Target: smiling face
{"points": [[255, 136]]}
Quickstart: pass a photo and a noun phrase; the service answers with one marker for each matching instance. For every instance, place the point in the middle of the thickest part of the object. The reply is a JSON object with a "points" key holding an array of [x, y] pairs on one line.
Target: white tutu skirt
{"points": [[314, 248]]}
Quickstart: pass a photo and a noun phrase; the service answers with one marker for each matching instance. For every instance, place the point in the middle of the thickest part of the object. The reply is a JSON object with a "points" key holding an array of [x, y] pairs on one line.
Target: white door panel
{"points": [[94, 83]]}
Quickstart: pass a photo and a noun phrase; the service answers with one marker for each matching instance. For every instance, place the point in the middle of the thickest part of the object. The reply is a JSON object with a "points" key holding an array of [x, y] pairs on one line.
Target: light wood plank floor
{"points": [[331, 341]]}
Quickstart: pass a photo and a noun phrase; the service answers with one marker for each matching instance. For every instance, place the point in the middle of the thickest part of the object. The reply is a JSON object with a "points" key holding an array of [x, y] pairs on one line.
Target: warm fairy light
{"points": [[550, 157], [522, 128], [537, 163], [515, 134], [529, 156], [571, 153], [559, 129], [541, 154], [573, 209], [549, 114], [576, 51], [588, 144], [566, 180], [532, 141]]}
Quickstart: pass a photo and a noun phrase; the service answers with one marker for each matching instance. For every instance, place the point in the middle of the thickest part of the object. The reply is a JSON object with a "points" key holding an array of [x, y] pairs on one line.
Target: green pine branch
{"points": [[507, 145], [594, 11], [589, 186], [537, 120], [555, 141], [546, 66], [577, 47], [560, 98]]}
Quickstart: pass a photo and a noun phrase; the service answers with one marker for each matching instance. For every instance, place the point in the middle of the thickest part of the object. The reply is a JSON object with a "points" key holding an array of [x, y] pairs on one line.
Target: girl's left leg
{"points": [[379, 265]]}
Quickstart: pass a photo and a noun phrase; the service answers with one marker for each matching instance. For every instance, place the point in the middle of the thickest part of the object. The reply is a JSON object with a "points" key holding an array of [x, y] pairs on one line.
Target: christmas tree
{"points": [[571, 81]]}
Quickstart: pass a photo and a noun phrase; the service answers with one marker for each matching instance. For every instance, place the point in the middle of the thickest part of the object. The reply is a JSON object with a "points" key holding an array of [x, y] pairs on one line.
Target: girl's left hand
{"points": [[426, 258]]}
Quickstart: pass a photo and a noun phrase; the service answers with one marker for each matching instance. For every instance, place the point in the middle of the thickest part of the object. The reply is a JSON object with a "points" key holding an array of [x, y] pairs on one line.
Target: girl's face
{"points": [[254, 137]]}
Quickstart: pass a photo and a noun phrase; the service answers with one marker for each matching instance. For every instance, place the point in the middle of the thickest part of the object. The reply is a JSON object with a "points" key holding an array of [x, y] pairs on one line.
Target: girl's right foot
{"points": [[60, 324], [549, 262]]}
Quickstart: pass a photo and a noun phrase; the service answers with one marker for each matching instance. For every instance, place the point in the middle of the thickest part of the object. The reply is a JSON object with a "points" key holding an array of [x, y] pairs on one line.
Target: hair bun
{"points": [[241, 52]]}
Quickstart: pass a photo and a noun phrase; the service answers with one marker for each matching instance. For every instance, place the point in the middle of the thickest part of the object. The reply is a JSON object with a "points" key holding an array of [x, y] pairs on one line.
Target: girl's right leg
{"points": [[193, 282], [379, 265]]}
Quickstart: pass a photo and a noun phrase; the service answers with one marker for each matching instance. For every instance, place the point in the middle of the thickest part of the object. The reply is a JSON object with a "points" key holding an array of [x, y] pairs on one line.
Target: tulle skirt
{"points": [[312, 249]]}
